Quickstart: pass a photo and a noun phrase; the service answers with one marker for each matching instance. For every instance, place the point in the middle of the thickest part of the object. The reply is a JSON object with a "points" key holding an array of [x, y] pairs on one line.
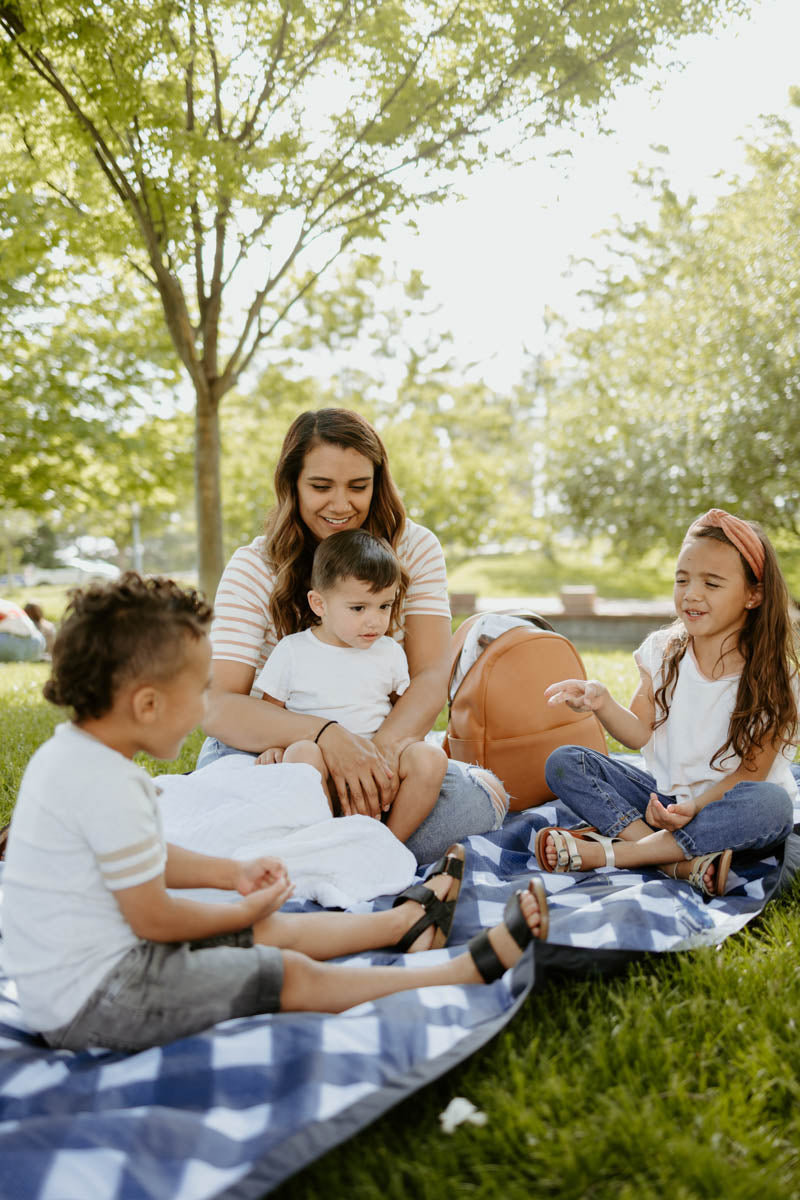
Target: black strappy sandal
{"points": [[437, 912], [483, 952]]}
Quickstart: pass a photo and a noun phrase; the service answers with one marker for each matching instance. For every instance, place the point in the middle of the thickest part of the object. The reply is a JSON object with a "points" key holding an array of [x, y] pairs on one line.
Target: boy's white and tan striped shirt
{"points": [[243, 631]]}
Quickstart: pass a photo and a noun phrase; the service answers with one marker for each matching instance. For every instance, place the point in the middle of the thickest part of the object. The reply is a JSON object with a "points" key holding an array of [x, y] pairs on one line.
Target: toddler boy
{"points": [[345, 668]]}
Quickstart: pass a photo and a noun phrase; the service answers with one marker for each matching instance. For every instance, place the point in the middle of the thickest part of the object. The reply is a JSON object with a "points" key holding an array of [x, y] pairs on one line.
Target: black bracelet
{"points": [[324, 727]]}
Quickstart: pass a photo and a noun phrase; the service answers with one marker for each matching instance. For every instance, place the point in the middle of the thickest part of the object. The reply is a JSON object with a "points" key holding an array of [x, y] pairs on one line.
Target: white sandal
{"points": [[568, 854]]}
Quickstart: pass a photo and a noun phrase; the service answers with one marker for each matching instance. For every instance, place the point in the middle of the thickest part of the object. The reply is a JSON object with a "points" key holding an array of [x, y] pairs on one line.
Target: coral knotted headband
{"points": [[737, 531]]}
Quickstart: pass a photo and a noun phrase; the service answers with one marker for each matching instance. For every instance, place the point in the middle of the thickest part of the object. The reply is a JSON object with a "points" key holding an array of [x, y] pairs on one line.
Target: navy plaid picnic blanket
{"points": [[236, 1110]]}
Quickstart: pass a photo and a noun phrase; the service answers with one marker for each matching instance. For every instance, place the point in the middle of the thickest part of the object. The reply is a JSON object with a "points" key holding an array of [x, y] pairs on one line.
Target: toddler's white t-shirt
{"points": [[86, 824], [340, 683]]}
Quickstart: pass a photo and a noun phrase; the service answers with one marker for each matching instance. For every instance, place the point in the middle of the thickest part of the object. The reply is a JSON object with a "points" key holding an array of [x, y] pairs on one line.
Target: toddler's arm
{"points": [[188, 869], [153, 913], [631, 726]]}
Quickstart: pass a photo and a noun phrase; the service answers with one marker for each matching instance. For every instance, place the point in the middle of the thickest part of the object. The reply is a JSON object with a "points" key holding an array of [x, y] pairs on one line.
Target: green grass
{"points": [[28, 720], [51, 599], [679, 1078], [536, 573]]}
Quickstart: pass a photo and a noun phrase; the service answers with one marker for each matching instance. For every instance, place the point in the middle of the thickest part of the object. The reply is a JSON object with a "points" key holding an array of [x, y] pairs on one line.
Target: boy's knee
{"points": [[305, 752], [424, 760]]}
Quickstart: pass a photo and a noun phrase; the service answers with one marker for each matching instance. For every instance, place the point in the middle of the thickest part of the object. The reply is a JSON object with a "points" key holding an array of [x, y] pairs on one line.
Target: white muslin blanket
{"points": [[236, 809]]}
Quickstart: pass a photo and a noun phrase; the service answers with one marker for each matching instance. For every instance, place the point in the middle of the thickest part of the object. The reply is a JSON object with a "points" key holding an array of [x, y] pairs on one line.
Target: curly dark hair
{"points": [[765, 713], [115, 632]]}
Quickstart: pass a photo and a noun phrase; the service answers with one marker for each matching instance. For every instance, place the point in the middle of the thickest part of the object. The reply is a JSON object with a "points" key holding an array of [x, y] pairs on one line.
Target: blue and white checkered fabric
{"points": [[233, 1112]]}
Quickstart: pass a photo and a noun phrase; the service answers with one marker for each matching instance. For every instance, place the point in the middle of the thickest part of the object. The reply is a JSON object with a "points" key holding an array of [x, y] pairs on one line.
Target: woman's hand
{"points": [[581, 695], [361, 776], [390, 752], [669, 816]]}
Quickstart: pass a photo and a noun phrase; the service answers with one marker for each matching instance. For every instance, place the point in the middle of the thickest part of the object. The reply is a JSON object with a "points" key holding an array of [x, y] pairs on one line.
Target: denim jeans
{"points": [[464, 806], [22, 649], [610, 795]]}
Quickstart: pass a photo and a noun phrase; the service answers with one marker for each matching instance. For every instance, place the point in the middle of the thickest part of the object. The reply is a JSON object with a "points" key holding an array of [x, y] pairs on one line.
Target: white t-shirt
{"points": [[243, 631], [340, 683], [679, 752], [86, 824], [15, 620]]}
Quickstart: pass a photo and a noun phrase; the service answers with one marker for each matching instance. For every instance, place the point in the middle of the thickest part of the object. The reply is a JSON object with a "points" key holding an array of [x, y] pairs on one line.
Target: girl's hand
{"points": [[581, 695], [267, 757], [265, 901], [669, 816], [258, 873], [361, 776]]}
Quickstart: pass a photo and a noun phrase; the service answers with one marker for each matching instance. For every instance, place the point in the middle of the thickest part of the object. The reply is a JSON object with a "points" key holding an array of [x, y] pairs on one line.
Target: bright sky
{"points": [[497, 258]]}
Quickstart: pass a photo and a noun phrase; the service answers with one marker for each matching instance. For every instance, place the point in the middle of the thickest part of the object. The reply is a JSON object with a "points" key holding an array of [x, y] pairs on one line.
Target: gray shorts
{"points": [[160, 991]]}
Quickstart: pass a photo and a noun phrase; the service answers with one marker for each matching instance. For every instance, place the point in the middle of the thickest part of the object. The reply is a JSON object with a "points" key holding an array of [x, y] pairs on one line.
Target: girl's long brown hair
{"points": [[289, 546], [765, 713]]}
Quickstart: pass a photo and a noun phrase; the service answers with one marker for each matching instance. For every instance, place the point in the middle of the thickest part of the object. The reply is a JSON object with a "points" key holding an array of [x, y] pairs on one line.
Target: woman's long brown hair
{"points": [[289, 547], [765, 713]]}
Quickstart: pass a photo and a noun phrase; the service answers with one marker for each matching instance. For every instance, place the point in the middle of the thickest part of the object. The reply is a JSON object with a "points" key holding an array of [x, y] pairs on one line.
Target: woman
{"points": [[333, 474], [20, 640]]}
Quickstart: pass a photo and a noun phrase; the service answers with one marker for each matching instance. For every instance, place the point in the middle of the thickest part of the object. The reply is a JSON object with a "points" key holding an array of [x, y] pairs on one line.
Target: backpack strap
{"points": [[460, 636]]}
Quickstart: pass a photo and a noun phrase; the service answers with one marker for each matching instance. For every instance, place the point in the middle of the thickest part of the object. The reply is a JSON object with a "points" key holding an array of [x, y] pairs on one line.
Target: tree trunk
{"points": [[208, 495]]}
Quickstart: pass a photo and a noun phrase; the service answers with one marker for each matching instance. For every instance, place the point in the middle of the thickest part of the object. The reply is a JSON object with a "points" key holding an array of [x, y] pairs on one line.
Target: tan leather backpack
{"points": [[497, 713]]}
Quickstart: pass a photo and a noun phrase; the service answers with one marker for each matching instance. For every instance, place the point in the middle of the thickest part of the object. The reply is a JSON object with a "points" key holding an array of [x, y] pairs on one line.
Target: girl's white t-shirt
{"points": [[679, 752]]}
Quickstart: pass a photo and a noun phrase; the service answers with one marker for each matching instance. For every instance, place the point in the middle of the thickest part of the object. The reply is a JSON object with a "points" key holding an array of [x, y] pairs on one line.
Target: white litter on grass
{"points": [[458, 1111]]}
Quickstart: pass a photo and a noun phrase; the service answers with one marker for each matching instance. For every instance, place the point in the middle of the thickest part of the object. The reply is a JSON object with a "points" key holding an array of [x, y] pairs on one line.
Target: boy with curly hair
{"points": [[103, 953]]}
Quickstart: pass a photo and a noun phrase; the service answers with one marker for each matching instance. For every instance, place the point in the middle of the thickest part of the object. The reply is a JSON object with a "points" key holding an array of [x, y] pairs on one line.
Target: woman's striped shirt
{"points": [[243, 630]]}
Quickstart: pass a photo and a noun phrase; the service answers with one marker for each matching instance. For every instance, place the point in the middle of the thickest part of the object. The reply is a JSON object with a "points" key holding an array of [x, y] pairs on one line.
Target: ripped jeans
{"points": [[471, 800]]}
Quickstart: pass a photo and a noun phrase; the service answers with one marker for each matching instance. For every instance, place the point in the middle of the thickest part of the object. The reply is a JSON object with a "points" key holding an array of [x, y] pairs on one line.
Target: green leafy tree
{"points": [[459, 452], [683, 392], [229, 148]]}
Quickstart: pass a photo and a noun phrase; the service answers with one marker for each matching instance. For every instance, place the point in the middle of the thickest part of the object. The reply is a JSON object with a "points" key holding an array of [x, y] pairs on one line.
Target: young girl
{"points": [[715, 715]]}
